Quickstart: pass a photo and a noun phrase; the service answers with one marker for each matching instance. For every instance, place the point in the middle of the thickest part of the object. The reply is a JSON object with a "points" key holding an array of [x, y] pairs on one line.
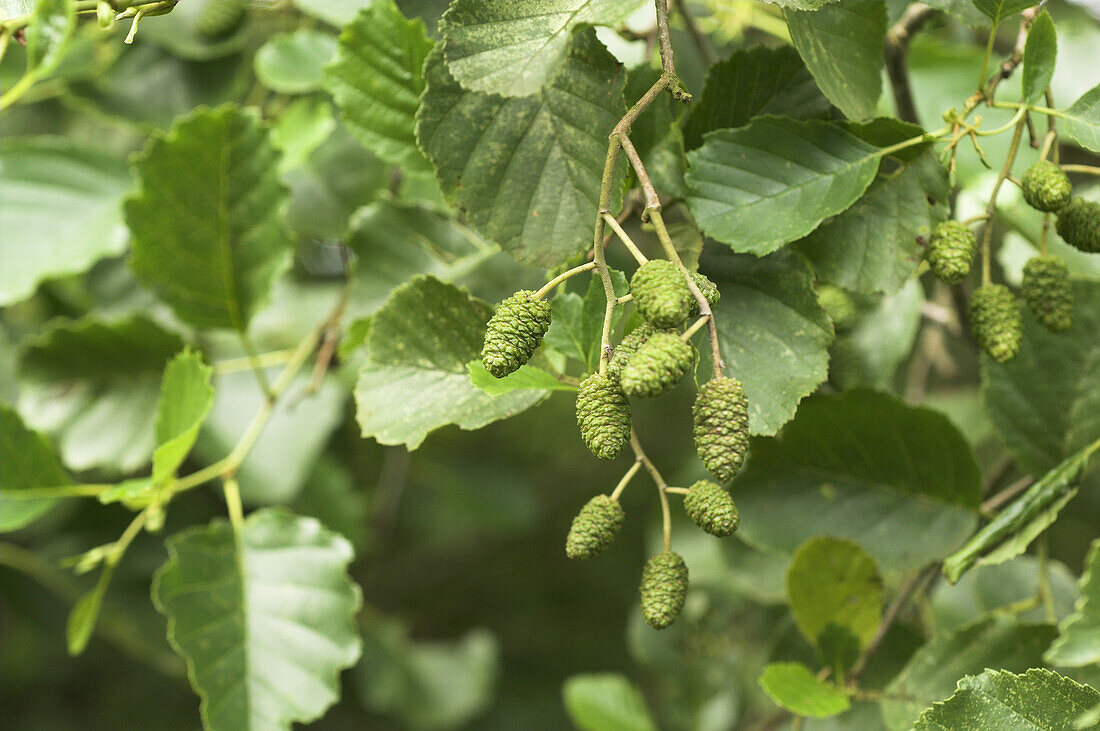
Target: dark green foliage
{"points": [[1047, 291], [626, 348], [661, 293], [514, 332], [1079, 224], [951, 251], [657, 366], [711, 508], [721, 426], [603, 415], [664, 588], [594, 528], [995, 322], [1046, 187]]}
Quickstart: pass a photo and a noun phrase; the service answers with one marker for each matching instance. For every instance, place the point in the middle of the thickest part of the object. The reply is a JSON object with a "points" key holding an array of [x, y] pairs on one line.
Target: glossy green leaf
{"points": [[752, 82], [415, 380], [59, 211], [1081, 122], [1021, 521], [899, 480], [207, 219], [842, 46], [577, 325], [832, 582], [527, 170], [1038, 700], [872, 246], [1078, 642], [291, 63], [376, 79], [999, 10], [605, 702], [78, 376], [761, 186], [185, 399], [1045, 403], [1040, 53], [931, 673], [773, 333], [48, 35], [516, 48], [30, 461], [263, 617], [528, 377], [795, 688]]}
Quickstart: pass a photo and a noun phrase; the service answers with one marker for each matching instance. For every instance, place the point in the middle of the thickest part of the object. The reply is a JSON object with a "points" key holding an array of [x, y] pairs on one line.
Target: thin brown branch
{"points": [[897, 52], [907, 592], [991, 505], [1008, 66], [698, 38]]}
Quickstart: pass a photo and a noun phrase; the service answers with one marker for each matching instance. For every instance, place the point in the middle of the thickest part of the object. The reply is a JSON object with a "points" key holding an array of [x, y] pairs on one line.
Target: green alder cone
{"points": [[951, 251], [661, 293], [1079, 224], [838, 305], [657, 366], [1046, 186], [1048, 293], [514, 333], [221, 17], [709, 290], [627, 347], [664, 588], [594, 528], [995, 322], [721, 426], [711, 508], [603, 415]]}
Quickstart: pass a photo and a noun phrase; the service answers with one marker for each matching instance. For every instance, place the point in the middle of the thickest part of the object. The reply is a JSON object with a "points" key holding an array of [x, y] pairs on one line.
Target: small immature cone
{"points": [[661, 293], [1047, 291], [951, 251], [657, 366], [721, 426], [514, 332], [711, 508], [1046, 186], [709, 290], [1079, 224], [995, 322], [664, 588], [595, 526], [603, 415], [626, 348]]}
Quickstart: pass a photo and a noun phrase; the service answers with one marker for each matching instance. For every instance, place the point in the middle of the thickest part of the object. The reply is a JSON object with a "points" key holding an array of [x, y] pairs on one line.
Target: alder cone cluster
{"points": [[1046, 187], [711, 508], [708, 289], [664, 588], [1048, 293], [995, 322], [721, 426], [951, 251], [657, 365], [661, 293], [514, 333], [594, 528], [626, 348], [603, 415], [1079, 224]]}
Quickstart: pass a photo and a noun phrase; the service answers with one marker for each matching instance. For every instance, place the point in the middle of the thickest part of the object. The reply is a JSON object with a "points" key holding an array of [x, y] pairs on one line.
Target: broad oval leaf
{"points": [[1040, 53], [862, 465], [606, 702], [999, 10], [1081, 122], [207, 219], [773, 181], [527, 170], [30, 461], [834, 582], [376, 79], [185, 399], [516, 48], [291, 63], [48, 34], [794, 687], [1078, 642], [263, 617]]}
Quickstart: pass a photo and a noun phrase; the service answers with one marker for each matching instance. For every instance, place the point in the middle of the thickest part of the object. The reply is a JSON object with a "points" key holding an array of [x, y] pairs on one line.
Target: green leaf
{"points": [[334, 12], [30, 461], [263, 617], [900, 480], [883, 336], [577, 327], [428, 685], [605, 702], [376, 79], [528, 377], [291, 63], [872, 246], [1081, 122], [1040, 53], [931, 673], [78, 376], [1088, 719], [527, 170], [753, 82], [1021, 521], [834, 583], [516, 48], [207, 219], [795, 688], [301, 128], [962, 10], [773, 333], [415, 380], [48, 35], [185, 399], [85, 613], [181, 32], [842, 45], [1078, 642], [758, 187], [1039, 699], [999, 10], [1045, 403], [59, 210]]}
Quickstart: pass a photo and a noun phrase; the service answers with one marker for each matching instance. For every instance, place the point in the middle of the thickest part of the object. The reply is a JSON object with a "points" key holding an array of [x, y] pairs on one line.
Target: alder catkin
{"points": [[951, 251], [626, 348], [711, 508], [721, 426], [664, 588], [995, 322], [661, 293], [1046, 187], [514, 332], [1048, 293], [603, 415], [594, 527], [657, 365], [708, 289], [1079, 224]]}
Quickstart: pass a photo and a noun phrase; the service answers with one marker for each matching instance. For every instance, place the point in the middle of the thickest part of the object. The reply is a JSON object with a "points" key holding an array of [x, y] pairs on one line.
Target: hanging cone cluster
{"points": [[995, 322], [603, 415], [711, 508], [514, 333], [626, 348], [1047, 291], [1079, 224], [664, 588], [1046, 187], [657, 365], [721, 426], [661, 293], [951, 251], [709, 290], [594, 528]]}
